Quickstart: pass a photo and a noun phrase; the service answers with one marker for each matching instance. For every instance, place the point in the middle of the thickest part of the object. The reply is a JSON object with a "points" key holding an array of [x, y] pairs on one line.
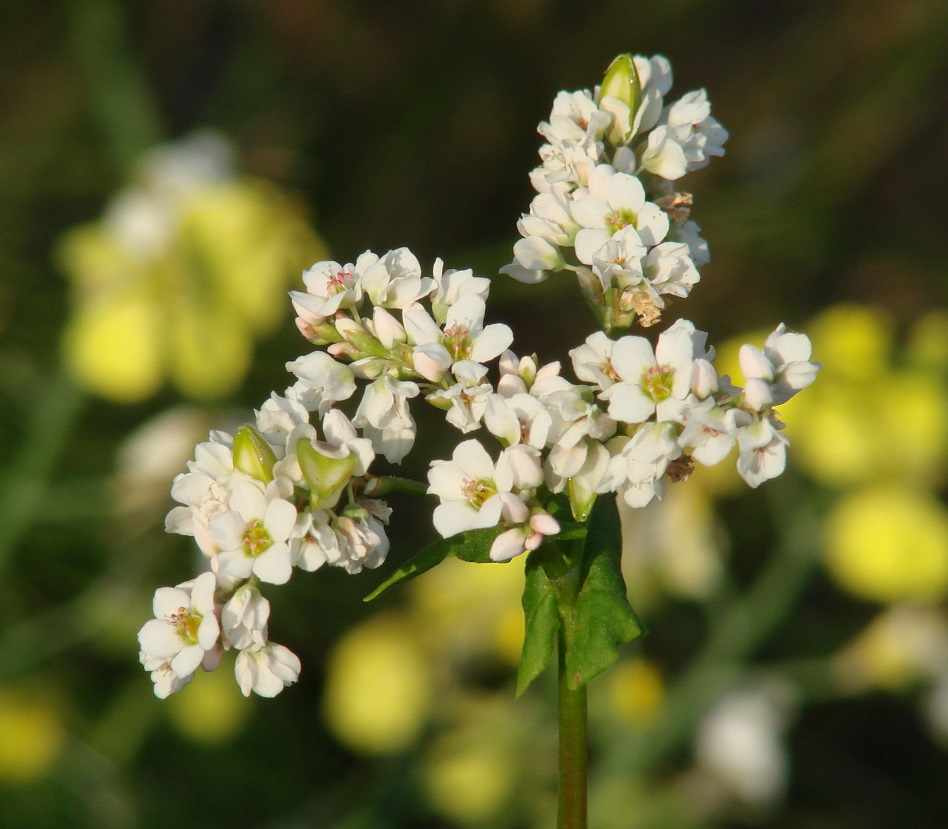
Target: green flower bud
{"points": [[622, 82], [253, 455], [359, 338], [581, 500], [326, 476]]}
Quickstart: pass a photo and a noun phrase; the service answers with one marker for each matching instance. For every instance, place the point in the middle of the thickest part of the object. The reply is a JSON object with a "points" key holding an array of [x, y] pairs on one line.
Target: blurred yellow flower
{"points": [[888, 544], [475, 607], [866, 419], [187, 267], [473, 770], [470, 785], [32, 736], [902, 645], [378, 687], [212, 709], [636, 689]]}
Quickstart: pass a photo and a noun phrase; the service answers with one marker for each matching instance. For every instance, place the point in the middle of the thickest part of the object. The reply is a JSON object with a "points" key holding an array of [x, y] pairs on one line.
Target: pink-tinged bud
{"points": [[253, 455], [326, 476], [704, 379], [388, 329], [508, 362], [754, 363], [431, 361], [544, 523], [759, 394], [513, 509]]}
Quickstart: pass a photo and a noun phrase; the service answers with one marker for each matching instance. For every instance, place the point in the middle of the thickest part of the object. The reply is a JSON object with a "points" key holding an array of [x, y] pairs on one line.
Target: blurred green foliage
{"points": [[414, 124]]}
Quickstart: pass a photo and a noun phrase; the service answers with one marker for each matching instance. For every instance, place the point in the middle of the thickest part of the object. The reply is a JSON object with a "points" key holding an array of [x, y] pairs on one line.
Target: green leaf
{"points": [[542, 622], [474, 545], [602, 618]]}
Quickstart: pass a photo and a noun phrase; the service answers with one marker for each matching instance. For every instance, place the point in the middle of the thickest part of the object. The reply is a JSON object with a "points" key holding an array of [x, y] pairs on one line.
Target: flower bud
{"points": [[359, 338], [622, 82], [704, 379], [326, 476], [754, 363], [759, 394], [253, 455]]}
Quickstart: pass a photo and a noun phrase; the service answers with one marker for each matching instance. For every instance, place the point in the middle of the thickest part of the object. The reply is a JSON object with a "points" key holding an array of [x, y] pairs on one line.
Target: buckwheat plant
{"points": [[542, 458]]}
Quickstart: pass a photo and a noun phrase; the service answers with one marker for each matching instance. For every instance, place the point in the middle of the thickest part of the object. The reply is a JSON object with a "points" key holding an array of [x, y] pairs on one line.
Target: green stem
{"points": [[574, 749], [388, 484]]}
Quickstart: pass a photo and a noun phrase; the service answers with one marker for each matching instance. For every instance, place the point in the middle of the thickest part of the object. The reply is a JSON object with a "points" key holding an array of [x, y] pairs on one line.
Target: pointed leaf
{"points": [[603, 618], [541, 623], [474, 545]]}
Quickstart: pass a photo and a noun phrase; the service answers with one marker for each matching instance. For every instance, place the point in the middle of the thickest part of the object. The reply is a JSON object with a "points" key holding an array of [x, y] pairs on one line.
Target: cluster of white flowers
{"points": [[606, 205], [294, 490], [283, 493]]}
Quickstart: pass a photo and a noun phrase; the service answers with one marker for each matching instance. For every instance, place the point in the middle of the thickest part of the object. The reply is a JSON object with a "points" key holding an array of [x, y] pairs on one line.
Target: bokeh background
{"points": [[796, 670]]}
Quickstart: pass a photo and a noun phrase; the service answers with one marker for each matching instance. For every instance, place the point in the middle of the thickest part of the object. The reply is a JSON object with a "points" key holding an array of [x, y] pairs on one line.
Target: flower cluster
{"points": [[285, 493], [294, 489], [606, 206]]}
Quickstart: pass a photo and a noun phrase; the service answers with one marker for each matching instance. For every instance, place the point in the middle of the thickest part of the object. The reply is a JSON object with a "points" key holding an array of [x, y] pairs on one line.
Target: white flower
{"points": [[618, 263], [741, 742], [322, 381], [789, 354], [451, 285], [521, 375], [664, 155], [266, 671], [470, 486], [644, 460], [670, 269], [330, 287], [360, 535], [655, 75], [520, 418], [465, 337], [395, 280], [244, 618], [278, 417], [700, 135], [711, 431], [253, 534], [592, 361], [313, 543], [763, 452], [575, 117], [183, 635], [384, 417], [614, 201], [653, 382], [467, 399]]}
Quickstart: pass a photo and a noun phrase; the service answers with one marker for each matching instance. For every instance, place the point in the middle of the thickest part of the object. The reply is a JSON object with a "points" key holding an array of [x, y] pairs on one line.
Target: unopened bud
{"points": [[253, 455], [622, 83], [360, 339]]}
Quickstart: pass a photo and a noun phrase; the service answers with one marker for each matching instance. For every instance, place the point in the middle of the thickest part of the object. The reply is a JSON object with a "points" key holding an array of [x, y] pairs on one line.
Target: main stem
{"points": [[574, 749]]}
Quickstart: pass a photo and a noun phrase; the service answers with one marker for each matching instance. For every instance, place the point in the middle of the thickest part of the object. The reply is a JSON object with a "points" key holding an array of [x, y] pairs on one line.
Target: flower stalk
{"points": [[574, 749]]}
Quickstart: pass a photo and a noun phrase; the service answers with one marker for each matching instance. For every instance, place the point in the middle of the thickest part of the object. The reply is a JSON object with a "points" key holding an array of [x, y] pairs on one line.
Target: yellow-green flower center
{"points": [[657, 382], [256, 539], [186, 623], [620, 218], [477, 492], [457, 339]]}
